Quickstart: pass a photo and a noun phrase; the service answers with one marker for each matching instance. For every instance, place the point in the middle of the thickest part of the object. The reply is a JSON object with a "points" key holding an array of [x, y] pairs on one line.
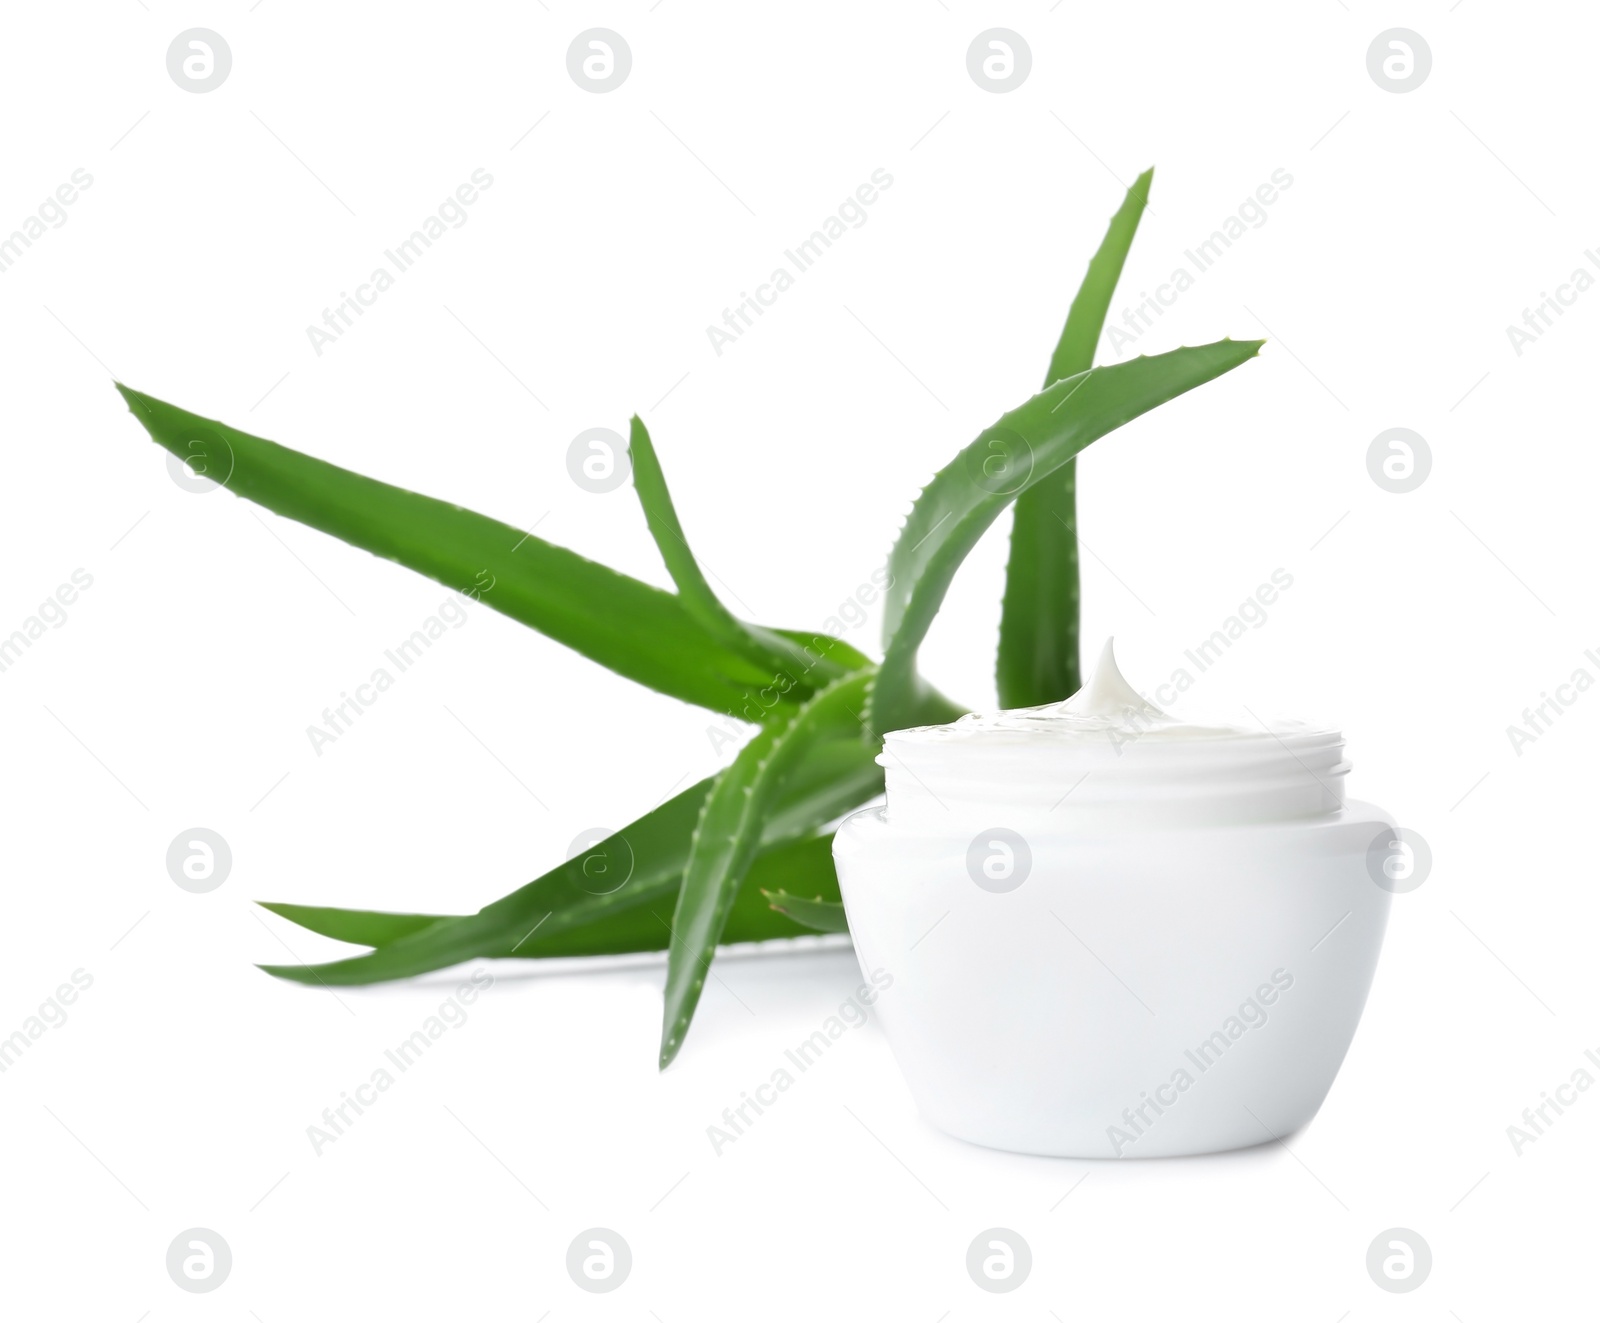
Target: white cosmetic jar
{"points": [[1115, 941]]}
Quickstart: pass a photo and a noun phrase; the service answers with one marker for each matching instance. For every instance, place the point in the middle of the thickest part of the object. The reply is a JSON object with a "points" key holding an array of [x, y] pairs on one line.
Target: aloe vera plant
{"points": [[1038, 657], [744, 855]]}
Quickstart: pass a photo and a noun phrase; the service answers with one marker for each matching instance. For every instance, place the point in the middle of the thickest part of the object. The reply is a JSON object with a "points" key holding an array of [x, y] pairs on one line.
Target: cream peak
{"points": [[1107, 694]]}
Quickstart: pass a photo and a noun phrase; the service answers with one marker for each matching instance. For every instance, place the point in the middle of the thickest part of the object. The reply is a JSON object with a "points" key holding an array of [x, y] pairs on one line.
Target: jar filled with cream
{"points": [[1113, 933]]}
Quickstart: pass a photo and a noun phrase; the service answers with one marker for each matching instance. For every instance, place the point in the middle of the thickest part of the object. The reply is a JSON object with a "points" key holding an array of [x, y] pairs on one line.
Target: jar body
{"points": [[1138, 994]]}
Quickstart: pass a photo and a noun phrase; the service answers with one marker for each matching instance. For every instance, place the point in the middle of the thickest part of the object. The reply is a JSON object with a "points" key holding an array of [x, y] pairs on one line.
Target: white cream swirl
{"points": [[1107, 758]]}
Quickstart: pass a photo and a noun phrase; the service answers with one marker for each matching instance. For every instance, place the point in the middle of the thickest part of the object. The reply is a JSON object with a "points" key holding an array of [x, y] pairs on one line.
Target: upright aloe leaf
{"points": [[774, 652], [968, 494], [1037, 660], [632, 628], [1086, 318], [729, 830], [661, 516]]}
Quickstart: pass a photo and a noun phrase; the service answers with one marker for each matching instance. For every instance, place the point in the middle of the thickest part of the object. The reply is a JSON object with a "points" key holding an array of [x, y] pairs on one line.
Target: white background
{"points": [[178, 691]]}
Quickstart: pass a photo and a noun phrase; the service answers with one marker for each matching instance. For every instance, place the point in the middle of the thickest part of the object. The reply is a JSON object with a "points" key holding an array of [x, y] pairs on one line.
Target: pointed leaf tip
{"points": [[626, 625]]}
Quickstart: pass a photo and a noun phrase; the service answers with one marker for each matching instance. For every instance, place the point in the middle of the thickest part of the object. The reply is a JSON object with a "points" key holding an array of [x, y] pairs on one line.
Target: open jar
{"points": [[1112, 933]]}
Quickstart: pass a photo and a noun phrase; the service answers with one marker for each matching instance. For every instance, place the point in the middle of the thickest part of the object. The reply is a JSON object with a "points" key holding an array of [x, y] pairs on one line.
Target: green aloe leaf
{"points": [[650, 485], [816, 912], [650, 850], [634, 629], [804, 863], [1037, 661], [1086, 318], [835, 776], [1019, 451], [774, 652], [807, 863], [359, 927], [729, 831]]}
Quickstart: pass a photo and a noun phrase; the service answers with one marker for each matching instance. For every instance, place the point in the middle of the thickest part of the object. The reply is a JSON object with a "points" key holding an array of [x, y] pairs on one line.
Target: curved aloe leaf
{"points": [[824, 916], [804, 863], [561, 899], [966, 496], [634, 629], [661, 516], [729, 831], [774, 652], [359, 927], [1037, 661], [807, 863], [815, 648], [836, 776]]}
